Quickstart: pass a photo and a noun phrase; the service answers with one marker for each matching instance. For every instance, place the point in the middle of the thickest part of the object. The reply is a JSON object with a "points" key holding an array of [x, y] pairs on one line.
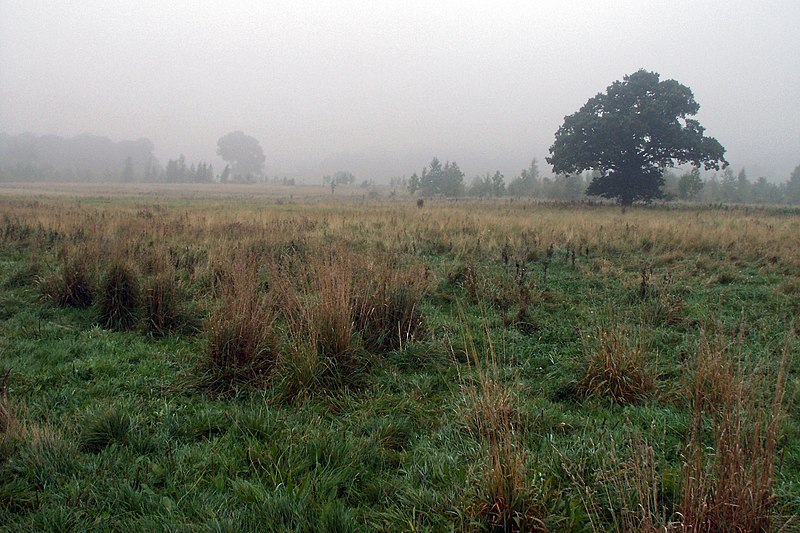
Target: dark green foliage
{"points": [[630, 134], [119, 298], [439, 180]]}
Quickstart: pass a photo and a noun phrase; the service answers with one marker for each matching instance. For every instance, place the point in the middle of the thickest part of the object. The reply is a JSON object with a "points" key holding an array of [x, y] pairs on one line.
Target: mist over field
{"points": [[379, 88]]}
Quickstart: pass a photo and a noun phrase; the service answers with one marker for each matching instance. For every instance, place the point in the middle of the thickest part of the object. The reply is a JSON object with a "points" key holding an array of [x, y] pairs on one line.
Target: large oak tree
{"points": [[630, 134]]}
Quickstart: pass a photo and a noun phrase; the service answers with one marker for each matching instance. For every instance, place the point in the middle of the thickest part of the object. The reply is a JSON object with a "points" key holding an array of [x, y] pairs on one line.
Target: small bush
{"points": [[617, 366], [119, 298]]}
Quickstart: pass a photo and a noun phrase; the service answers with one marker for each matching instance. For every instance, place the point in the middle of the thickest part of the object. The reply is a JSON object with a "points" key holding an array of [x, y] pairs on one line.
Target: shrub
{"points": [[119, 298], [617, 366]]}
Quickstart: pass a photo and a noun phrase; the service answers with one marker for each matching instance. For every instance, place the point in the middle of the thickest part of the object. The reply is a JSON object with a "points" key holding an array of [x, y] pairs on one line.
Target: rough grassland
{"points": [[308, 364]]}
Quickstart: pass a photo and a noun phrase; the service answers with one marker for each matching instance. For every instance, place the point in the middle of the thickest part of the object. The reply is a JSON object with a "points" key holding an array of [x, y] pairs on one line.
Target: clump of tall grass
{"points": [[637, 491], [505, 498], [242, 335], [729, 471], [7, 416], [104, 428], [9, 425], [323, 352], [119, 297], [70, 285], [164, 307], [617, 365], [386, 306]]}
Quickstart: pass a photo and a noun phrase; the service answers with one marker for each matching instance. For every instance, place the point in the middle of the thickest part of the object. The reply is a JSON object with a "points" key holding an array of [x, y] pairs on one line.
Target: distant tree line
{"points": [[28, 157], [725, 187]]}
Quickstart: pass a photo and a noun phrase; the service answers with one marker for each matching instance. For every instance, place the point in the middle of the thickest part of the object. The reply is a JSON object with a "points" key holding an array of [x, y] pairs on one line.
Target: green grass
{"points": [[114, 433]]}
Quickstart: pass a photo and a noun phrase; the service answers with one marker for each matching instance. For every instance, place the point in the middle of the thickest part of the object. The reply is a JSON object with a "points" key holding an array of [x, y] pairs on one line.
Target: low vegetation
{"points": [[308, 364]]}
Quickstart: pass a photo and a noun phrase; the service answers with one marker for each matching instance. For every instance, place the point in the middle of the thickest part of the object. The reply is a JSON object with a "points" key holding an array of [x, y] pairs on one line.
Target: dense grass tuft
{"points": [[70, 286], [164, 306], [242, 334], [104, 428], [119, 298], [618, 366]]}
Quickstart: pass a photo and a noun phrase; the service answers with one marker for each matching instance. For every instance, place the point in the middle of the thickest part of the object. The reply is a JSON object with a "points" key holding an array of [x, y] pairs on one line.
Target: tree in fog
{"points": [[631, 134], [439, 180], [127, 171], [793, 186], [690, 184], [243, 153], [527, 183]]}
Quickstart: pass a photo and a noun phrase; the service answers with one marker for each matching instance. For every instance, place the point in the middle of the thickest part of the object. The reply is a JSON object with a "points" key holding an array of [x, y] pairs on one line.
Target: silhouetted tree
{"points": [[630, 134]]}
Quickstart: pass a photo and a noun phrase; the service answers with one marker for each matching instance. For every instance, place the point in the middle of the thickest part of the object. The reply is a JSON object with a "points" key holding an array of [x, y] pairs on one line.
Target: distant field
{"points": [[257, 358], [172, 190]]}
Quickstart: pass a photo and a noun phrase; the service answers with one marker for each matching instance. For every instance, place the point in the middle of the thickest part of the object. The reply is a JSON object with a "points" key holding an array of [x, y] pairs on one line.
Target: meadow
{"points": [[259, 362]]}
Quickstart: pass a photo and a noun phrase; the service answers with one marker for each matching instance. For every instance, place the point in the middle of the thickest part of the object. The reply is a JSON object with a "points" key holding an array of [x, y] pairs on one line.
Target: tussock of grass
{"points": [[164, 307], [386, 307], [242, 336], [323, 352], [506, 500], [119, 298], [71, 285], [104, 428], [618, 366]]}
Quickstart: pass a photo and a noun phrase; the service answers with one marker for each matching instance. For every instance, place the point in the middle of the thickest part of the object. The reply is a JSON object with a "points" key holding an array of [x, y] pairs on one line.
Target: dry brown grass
{"points": [[242, 340], [71, 285], [8, 417], [729, 472], [505, 498], [618, 366]]}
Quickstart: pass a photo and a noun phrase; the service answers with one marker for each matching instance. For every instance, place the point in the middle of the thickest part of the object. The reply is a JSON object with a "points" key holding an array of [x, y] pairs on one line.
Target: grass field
{"points": [[231, 362]]}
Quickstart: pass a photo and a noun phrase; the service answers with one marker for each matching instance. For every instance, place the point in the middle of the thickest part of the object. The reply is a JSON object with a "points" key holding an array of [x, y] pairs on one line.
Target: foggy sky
{"points": [[379, 88]]}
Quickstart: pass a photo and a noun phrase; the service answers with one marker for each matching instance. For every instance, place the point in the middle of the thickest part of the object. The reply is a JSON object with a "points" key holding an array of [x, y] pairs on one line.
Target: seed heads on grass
{"points": [[728, 486], [617, 365], [505, 501], [386, 307], [242, 337], [164, 307]]}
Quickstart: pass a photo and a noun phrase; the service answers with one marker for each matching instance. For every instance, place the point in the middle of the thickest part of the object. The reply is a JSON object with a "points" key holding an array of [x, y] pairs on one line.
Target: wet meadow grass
{"points": [[353, 364]]}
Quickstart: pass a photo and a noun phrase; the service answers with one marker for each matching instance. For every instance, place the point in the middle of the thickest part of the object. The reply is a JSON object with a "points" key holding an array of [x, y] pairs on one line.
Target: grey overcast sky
{"points": [[380, 87]]}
